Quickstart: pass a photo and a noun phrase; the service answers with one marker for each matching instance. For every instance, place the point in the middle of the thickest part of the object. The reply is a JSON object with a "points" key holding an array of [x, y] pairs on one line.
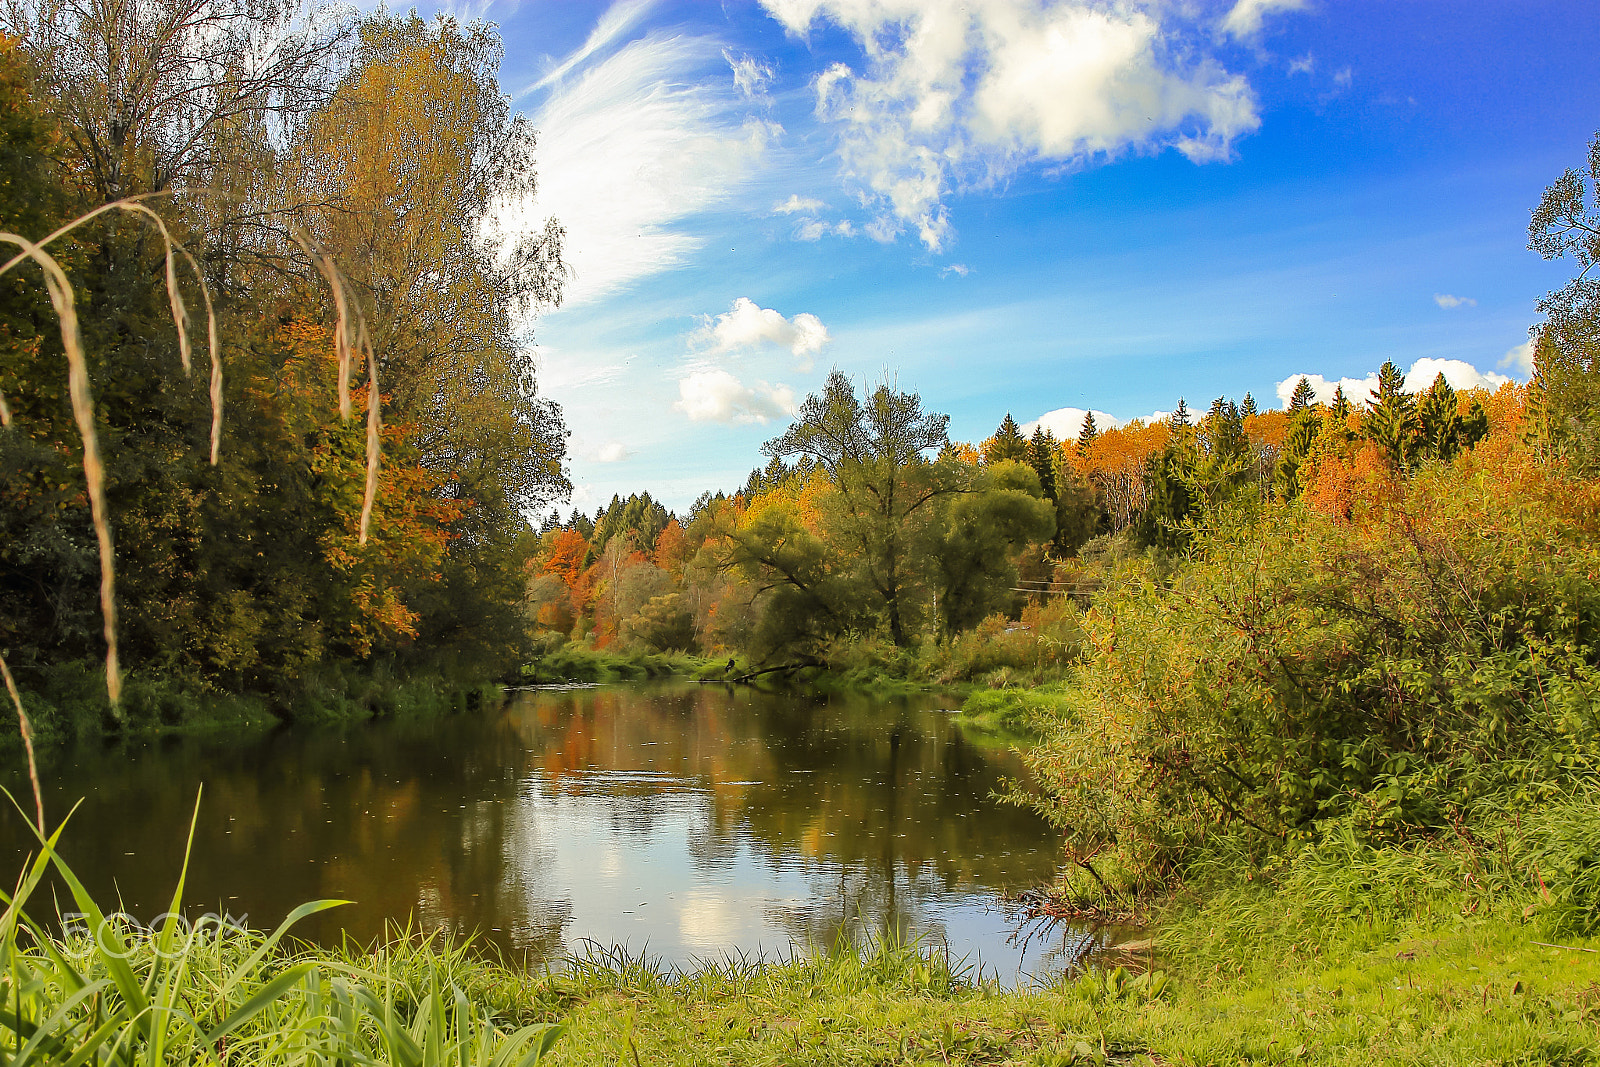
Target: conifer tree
{"points": [[1304, 427], [1303, 396], [1042, 450], [1391, 420], [1087, 432], [1439, 416], [1340, 406], [1180, 416], [1248, 408], [1007, 443]]}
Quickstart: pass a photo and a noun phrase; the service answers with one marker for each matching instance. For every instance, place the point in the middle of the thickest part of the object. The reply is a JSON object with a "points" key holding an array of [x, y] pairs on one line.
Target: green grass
{"points": [[67, 702], [1247, 975], [568, 662]]}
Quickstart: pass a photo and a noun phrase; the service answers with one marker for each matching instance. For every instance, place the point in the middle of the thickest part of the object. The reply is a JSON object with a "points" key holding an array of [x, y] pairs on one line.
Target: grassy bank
{"points": [[68, 702], [1445, 989], [558, 660], [1369, 958]]}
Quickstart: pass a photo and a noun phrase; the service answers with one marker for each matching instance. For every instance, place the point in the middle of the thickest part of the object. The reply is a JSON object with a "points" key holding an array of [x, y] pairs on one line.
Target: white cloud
{"points": [[716, 396], [1066, 422], [1343, 78], [1459, 373], [798, 205], [1445, 300], [1245, 20], [958, 269], [1519, 358], [750, 75], [749, 325], [611, 452], [810, 230], [1305, 64], [632, 144], [957, 95]]}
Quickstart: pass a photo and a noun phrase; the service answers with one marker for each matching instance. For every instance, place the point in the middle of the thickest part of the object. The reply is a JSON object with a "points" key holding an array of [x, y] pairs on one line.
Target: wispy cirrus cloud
{"points": [[1446, 301], [957, 95], [635, 139]]}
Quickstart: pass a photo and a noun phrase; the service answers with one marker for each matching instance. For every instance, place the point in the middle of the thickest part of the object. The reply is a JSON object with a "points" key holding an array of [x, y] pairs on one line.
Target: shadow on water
{"points": [[683, 820]]}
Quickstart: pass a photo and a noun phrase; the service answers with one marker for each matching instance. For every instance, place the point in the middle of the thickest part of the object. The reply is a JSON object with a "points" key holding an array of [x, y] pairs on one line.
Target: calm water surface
{"points": [[684, 821]]}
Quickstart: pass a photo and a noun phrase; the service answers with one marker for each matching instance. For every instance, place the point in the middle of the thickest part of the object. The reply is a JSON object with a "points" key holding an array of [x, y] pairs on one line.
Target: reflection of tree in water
{"points": [[880, 803], [844, 778]]}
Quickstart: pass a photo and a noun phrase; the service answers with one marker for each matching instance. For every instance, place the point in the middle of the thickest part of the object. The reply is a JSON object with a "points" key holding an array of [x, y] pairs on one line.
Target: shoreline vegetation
{"points": [[1356, 958]]}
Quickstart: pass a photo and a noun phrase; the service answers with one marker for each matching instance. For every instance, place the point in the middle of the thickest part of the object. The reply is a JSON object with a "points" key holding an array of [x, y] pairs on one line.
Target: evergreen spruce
{"points": [[1042, 451], [1303, 396], [1087, 432], [1248, 408], [1390, 422], [1007, 443]]}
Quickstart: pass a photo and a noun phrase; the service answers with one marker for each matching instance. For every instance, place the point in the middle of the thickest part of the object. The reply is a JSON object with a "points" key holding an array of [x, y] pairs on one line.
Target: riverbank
{"points": [[1444, 988], [67, 703]]}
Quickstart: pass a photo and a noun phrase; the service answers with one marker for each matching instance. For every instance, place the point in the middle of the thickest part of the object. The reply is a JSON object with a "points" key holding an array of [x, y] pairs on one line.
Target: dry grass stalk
{"points": [[27, 741], [61, 297], [351, 337], [94, 471]]}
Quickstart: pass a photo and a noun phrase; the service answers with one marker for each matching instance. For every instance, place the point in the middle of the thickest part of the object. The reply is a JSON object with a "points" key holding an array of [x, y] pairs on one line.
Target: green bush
{"points": [[1428, 664]]}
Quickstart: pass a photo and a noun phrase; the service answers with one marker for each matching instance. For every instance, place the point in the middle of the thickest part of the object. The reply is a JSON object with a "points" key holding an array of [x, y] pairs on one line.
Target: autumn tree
{"points": [[1564, 393]]}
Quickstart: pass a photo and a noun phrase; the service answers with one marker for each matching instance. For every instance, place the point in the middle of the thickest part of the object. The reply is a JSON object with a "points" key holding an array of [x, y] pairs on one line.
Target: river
{"points": [[680, 821]]}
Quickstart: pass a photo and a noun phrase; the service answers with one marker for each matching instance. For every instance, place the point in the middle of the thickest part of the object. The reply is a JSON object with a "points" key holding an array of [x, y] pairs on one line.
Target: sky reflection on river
{"points": [[679, 820]]}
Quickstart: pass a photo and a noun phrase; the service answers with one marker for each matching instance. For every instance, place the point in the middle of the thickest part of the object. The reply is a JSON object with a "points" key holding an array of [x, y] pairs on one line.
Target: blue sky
{"points": [[1015, 205]]}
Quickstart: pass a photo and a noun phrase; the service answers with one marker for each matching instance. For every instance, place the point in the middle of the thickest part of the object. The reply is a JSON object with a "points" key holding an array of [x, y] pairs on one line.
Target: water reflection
{"points": [[681, 820]]}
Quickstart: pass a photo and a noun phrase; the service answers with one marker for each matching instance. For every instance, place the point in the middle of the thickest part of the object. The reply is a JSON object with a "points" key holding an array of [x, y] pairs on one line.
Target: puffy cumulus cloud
{"points": [[1066, 422], [634, 139], [798, 205], [1446, 301], [714, 395], [1519, 358], [959, 94], [749, 325], [611, 452], [1244, 20], [1459, 373]]}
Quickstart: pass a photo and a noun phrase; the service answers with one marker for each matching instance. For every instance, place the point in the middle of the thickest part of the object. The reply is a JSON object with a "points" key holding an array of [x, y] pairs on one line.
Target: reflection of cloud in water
{"points": [[708, 922]]}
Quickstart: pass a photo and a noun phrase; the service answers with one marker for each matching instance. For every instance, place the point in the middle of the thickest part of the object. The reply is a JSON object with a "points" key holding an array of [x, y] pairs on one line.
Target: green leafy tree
{"points": [[972, 547], [872, 450]]}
